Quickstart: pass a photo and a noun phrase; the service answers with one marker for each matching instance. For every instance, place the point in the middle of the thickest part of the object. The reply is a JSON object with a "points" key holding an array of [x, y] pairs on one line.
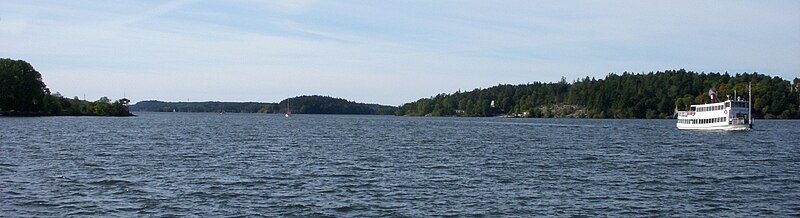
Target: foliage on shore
{"points": [[651, 95], [203, 107], [316, 104], [299, 105], [23, 93]]}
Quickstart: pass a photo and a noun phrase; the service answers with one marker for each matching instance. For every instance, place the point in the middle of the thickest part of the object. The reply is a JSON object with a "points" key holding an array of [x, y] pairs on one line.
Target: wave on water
{"points": [[543, 124], [341, 166], [111, 182]]}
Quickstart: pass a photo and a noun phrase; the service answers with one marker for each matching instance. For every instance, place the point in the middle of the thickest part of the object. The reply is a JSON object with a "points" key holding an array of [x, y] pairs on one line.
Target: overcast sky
{"points": [[386, 52]]}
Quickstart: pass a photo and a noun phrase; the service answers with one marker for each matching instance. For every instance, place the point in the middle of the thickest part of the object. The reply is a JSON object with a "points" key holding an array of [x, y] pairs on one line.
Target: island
{"points": [[654, 95], [313, 104]]}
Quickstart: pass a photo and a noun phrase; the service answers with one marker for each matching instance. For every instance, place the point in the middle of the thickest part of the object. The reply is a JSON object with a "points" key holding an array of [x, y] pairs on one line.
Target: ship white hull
{"points": [[730, 115], [714, 126]]}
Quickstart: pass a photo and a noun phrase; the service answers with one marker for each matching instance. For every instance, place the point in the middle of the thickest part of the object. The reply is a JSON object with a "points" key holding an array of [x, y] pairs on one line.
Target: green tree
{"points": [[21, 87]]}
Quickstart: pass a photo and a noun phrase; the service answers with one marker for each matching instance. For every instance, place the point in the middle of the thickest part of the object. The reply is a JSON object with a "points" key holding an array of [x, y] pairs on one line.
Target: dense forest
{"points": [[299, 105], [316, 104], [651, 95], [22, 93], [204, 107]]}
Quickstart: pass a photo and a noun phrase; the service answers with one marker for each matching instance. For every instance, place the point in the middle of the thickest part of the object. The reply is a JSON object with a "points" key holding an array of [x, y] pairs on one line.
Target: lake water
{"points": [[183, 164]]}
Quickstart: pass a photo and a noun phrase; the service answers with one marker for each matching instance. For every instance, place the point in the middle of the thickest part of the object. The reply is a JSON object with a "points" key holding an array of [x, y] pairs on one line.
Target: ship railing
{"points": [[738, 121], [685, 113]]}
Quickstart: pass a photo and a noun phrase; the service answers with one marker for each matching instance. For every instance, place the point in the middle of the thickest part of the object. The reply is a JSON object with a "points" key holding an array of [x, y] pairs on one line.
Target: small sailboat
{"points": [[288, 111]]}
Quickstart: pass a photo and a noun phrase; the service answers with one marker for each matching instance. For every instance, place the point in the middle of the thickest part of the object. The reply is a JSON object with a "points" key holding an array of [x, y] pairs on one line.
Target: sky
{"points": [[386, 52]]}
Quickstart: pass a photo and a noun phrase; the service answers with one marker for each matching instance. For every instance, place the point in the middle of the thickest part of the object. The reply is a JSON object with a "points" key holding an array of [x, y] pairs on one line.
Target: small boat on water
{"points": [[732, 114], [288, 111]]}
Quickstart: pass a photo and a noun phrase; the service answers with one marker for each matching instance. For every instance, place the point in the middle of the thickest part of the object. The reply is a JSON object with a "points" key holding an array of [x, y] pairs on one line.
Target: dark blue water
{"points": [[165, 164]]}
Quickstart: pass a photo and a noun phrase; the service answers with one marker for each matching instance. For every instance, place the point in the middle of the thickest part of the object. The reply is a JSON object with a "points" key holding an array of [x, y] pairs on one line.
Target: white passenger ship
{"points": [[732, 114]]}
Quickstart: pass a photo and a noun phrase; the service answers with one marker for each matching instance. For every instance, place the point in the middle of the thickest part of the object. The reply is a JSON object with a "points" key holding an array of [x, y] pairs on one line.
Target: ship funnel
{"points": [[713, 95]]}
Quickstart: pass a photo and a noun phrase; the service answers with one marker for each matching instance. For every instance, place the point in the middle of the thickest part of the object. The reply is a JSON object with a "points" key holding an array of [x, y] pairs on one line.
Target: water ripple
{"points": [[176, 164]]}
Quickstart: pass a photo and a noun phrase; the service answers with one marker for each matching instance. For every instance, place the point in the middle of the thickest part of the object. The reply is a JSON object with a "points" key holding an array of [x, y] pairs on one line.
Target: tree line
{"points": [[203, 107], [650, 95], [23, 93], [316, 104], [313, 104]]}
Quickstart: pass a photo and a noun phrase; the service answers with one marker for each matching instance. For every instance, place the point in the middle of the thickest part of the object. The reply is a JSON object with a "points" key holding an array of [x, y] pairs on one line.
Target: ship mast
{"points": [[750, 103]]}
